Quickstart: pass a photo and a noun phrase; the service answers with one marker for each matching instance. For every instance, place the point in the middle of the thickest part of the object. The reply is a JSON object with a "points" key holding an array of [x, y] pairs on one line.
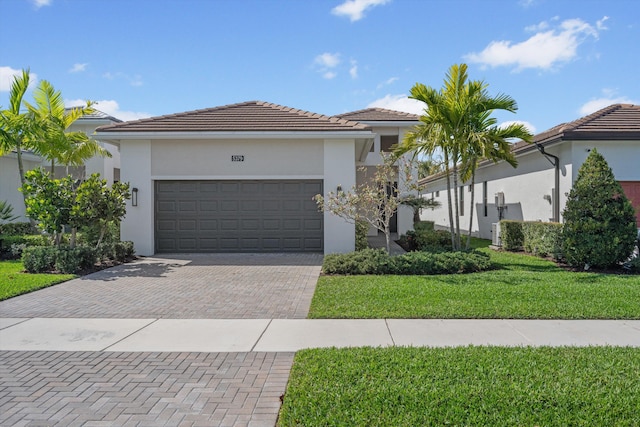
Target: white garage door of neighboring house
{"points": [[238, 216]]}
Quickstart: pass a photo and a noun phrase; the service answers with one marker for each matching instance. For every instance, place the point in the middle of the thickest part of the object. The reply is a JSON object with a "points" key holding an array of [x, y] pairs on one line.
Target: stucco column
{"points": [[138, 224], [339, 170]]}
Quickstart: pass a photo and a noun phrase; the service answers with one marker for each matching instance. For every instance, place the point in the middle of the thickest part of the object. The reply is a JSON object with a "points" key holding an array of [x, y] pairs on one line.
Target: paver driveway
{"points": [[199, 286], [47, 388]]}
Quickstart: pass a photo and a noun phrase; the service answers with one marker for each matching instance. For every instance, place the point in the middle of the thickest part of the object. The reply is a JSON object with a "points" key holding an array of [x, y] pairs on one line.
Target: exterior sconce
{"points": [[547, 197], [339, 189], [134, 196]]}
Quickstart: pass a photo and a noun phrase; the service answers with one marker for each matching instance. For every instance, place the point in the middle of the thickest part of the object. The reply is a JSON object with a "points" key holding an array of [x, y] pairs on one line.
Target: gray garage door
{"points": [[238, 216]]}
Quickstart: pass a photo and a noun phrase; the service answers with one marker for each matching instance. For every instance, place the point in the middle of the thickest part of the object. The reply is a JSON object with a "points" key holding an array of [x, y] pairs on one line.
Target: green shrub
{"points": [[367, 261], [124, 251], [424, 225], [543, 238], [73, 260], [425, 239], [377, 261], [39, 259], [90, 235], [599, 221], [362, 228], [17, 229], [12, 246], [511, 235], [634, 265]]}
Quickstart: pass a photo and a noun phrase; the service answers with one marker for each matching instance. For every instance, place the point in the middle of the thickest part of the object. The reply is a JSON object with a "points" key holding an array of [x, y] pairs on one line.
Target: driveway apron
{"points": [[86, 388]]}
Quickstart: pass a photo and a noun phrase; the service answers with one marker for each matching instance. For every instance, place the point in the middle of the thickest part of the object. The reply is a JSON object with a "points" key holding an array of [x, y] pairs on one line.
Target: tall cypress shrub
{"points": [[599, 221]]}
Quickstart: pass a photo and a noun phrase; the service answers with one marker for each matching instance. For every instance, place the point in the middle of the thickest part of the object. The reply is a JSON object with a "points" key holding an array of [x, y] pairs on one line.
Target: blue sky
{"points": [[559, 59]]}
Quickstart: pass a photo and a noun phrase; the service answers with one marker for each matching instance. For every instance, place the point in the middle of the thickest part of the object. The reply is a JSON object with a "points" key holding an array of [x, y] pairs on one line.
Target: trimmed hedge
{"points": [[511, 235], [13, 245], [534, 237], [543, 238], [425, 239], [17, 228], [64, 259], [377, 261]]}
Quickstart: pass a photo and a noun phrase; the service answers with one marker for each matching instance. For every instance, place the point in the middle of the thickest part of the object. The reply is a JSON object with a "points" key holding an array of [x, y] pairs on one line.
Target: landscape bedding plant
{"points": [[475, 386]]}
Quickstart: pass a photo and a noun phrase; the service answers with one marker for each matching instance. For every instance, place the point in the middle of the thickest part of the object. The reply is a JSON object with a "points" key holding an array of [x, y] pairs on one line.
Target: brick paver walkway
{"points": [[159, 389], [202, 286], [141, 389]]}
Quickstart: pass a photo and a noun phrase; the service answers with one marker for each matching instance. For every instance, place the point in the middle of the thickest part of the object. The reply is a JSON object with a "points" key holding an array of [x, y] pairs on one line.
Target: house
{"points": [[537, 189], [242, 177], [108, 168]]}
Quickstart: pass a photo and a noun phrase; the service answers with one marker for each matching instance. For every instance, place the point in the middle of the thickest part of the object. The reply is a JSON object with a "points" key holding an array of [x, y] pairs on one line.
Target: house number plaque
{"points": [[237, 158]]}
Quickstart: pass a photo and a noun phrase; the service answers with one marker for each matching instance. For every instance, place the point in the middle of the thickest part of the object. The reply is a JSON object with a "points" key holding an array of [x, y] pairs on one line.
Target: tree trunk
{"points": [[22, 181], [74, 232], [473, 192], [457, 207], [448, 174]]}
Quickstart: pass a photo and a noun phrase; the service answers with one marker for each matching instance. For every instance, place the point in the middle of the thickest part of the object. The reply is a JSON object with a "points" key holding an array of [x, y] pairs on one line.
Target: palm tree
{"points": [[58, 144], [486, 140], [16, 127], [457, 121]]}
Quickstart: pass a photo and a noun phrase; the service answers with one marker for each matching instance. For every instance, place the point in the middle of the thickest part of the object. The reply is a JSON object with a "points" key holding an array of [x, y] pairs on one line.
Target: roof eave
{"points": [[343, 134]]}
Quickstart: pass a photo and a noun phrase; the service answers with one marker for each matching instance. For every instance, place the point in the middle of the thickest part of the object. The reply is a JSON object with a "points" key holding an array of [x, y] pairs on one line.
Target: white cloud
{"points": [[40, 3], [135, 80], [328, 60], [399, 103], [354, 9], [353, 71], [600, 23], [6, 78], [326, 63], [111, 108], [78, 67], [526, 124], [545, 49], [387, 82], [598, 103]]}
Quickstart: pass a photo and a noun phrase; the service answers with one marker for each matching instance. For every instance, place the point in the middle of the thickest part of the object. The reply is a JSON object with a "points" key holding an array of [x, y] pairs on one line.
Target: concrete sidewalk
{"points": [[290, 335]]}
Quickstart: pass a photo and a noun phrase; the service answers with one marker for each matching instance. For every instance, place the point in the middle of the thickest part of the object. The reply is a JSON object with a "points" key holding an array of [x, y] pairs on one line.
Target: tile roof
{"points": [[379, 115], [617, 122], [247, 116]]}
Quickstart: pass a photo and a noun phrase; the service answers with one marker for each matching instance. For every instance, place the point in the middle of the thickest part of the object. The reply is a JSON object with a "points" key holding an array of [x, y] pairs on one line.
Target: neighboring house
{"points": [[108, 168], [537, 189], [242, 177]]}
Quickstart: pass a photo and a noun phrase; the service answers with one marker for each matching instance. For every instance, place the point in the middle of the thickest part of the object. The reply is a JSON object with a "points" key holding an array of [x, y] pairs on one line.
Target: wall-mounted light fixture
{"points": [[547, 197], [134, 196], [339, 189]]}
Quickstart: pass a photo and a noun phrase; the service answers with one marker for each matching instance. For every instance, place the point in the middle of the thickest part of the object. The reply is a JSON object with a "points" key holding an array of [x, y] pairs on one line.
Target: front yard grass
{"points": [[495, 386], [13, 282], [524, 287]]}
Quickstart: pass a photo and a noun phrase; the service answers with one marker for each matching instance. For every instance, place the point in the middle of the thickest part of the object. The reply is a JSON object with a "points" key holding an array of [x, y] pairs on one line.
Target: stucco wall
{"points": [[10, 181], [211, 159], [339, 170]]}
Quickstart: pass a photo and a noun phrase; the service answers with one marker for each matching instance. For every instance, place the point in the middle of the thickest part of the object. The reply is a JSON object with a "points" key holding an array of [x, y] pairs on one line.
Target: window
{"points": [[484, 197], [386, 142], [461, 201]]}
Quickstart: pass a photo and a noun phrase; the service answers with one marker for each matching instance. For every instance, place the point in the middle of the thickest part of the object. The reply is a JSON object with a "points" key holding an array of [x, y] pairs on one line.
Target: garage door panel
{"points": [[230, 216]]}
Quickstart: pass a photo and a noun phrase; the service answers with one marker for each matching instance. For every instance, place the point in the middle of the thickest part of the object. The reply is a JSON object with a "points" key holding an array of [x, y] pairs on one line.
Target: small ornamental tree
{"points": [[49, 201], [375, 200], [98, 205], [599, 221]]}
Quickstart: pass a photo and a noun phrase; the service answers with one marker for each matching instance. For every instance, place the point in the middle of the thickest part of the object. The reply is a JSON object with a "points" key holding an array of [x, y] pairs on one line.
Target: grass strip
{"points": [[524, 287], [494, 386], [14, 282]]}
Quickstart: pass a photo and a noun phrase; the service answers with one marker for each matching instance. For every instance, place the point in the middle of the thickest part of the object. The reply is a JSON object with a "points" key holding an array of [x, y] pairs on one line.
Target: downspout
{"points": [[556, 196]]}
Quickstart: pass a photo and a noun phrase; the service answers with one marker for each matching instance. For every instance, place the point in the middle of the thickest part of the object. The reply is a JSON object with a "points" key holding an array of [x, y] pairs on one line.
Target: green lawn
{"points": [[13, 282], [524, 287], [476, 386]]}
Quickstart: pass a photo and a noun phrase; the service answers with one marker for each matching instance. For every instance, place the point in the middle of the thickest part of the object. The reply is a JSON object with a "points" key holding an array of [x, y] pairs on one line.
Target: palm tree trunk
{"points": [[473, 192], [22, 181], [448, 174], [457, 207]]}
